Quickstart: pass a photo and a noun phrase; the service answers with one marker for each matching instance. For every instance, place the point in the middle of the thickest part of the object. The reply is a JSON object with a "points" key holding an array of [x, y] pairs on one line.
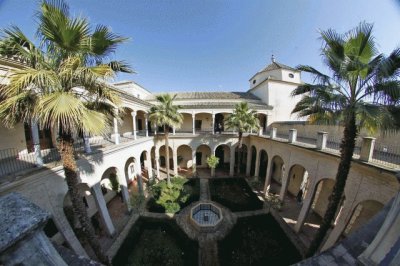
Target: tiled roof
{"points": [[224, 105], [209, 95], [277, 65]]}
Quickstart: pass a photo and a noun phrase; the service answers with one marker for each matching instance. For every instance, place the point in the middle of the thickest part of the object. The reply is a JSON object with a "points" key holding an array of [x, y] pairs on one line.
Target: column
{"points": [[173, 131], [305, 208], [257, 168], [146, 126], [213, 123], [321, 140], [232, 162], [268, 176], [36, 142], [367, 149], [273, 132], [157, 159], [134, 123], [125, 195], [285, 182], [116, 134], [175, 158], [102, 209], [86, 142], [193, 161], [155, 129], [248, 160], [193, 123], [149, 165], [292, 135], [138, 169]]}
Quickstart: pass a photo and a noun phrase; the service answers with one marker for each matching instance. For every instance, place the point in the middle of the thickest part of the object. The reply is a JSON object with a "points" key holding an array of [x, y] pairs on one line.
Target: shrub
{"points": [[212, 161], [114, 182], [170, 196], [137, 202], [274, 201]]}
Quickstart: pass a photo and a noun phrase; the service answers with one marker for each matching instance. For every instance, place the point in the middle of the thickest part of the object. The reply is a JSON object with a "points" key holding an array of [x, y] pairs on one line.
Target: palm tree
{"points": [[242, 120], [63, 86], [356, 95], [166, 115]]}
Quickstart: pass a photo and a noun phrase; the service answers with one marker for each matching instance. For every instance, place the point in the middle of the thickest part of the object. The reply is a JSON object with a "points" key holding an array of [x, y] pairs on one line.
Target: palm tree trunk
{"points": [[166, 132], [66, 150], [346, 155]]}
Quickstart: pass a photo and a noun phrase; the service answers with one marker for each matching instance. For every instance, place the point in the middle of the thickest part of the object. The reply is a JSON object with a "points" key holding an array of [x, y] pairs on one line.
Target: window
{"points": [[254, 81], [197, 124], [291, 75]]}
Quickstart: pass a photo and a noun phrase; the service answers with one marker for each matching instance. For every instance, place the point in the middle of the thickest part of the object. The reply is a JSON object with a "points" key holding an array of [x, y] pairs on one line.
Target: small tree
{"points": [[212, 162]]}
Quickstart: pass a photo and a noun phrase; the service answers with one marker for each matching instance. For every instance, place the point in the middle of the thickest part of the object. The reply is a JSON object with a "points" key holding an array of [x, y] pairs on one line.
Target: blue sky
{"points": [[218, 45]]}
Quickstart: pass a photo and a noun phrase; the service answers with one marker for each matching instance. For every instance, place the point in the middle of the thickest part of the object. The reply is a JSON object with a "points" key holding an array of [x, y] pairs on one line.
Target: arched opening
{"points": [[203, 123], [130, 175], [362, 213], [163, 158], [277, 172], [111, 190], [145, 160], [240, 162], [185, 160], [253, 161], [125, 128], [219, 125], [141, 123], [263, 165], [223, 152], [263, 122], [202, 152], [319, 205], [187, 124], [298, 182]]}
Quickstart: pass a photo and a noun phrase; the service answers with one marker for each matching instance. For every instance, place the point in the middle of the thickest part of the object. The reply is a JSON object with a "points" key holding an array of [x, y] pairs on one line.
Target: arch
{"points": [[144, 163], [263, 164], [187, 123], [141, 122], [253, 160], [202, 152], [277, 172], [126, 125], [203, 122], [240, 165], [361, 214], [220, 118], [130, 170], [223, 152], [184, 157], [297, 183], [163, 157], [263, 118], [323, 190]]}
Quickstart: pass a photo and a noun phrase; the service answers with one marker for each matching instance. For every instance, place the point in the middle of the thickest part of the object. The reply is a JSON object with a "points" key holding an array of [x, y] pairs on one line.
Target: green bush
{"points": [[114, 182], [137, 202], [170, 196], [212, 161]]}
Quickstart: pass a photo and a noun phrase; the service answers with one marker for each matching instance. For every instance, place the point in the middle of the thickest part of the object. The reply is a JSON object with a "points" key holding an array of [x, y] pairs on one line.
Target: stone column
{"points": [[285, 182], [248, 160], [260, 131], [292, 135], [175, 158], [36, 142], [268, 176], [193, 161], [193, 124], [367, 149], [273, 132], [173, 131], [86, 142], [232, 162], [305, 208], [257, 166], [213, 123], [146, 126], [138, 169], [386, 239], [134, 124], [125, 195], [155, 129], [157, 159], [116, 134], [23, 241], [102, 209], [321, 140], [149, 165]]}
